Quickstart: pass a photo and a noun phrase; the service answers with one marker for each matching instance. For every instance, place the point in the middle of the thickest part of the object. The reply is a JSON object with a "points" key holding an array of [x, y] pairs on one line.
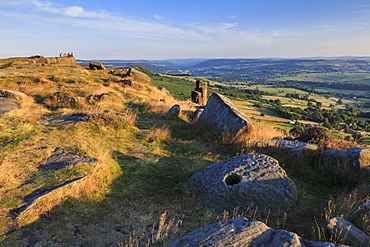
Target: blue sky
{"points": [[147, 29]]}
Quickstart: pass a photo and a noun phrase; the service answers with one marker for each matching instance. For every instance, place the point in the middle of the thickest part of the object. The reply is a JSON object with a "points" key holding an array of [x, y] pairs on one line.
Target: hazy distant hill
{"points": [[229, 70]]}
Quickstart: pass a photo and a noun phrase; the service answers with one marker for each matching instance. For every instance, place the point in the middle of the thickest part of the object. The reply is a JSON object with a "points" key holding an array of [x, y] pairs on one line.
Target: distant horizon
{"points": [[210, 58], [201, 58]]}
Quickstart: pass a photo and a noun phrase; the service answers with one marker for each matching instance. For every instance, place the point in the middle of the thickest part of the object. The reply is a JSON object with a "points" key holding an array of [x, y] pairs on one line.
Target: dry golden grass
{"points": [[344, 205], [159, 134], [261, 133], [135, 196]]}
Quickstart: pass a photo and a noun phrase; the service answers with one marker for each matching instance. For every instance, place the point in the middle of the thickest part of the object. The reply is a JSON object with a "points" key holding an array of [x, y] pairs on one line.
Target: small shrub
{"points": [[315, 135], [323, 137]]}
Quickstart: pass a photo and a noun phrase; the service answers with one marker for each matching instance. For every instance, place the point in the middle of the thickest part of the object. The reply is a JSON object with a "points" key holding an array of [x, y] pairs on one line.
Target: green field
{"points": [[278, 91], [329, 77], [355, 92]]}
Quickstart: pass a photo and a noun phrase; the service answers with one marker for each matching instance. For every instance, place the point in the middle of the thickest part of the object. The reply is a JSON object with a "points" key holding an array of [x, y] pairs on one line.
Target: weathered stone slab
{"points": [[64, 120], [223, 115], [7, 105], [60, 159], [293, 145], [353, 159], [240, 232], [345, 231], [44, 202], [245, 181], [31, 198]]}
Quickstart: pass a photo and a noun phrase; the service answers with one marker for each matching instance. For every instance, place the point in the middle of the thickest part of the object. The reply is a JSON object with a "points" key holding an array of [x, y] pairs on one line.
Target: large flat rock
{"points": [[246, 182]]}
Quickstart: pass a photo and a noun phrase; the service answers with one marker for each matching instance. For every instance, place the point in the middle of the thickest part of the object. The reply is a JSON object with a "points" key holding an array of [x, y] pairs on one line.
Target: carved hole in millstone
{"points": [[232, 179]]}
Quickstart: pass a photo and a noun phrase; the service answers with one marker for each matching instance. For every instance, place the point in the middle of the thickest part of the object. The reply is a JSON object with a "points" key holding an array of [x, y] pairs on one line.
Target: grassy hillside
{"points": [[136, 195]]}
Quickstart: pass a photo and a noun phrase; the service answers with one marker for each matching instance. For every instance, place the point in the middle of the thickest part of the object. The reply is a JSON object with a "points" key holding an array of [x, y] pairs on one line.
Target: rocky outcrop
{"points": [[135, 75], [345, 231], [199, 95], [352, 159], [245, 182], [57, 60], [58, 97], [96, 66], [240, 232], [223, 115], [40, 60]]}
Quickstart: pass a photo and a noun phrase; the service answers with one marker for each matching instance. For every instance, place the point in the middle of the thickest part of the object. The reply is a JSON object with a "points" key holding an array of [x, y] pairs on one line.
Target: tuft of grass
{"points": [[159, 134], [343, 206]]}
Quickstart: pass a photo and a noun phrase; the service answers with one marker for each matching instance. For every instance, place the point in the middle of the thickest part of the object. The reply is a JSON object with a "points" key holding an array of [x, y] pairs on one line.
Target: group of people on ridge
{"points": [[66, 54]]}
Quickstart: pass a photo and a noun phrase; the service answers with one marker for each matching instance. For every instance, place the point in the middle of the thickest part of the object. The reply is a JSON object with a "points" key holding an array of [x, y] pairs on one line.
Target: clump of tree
{"points": [[321, 136]]}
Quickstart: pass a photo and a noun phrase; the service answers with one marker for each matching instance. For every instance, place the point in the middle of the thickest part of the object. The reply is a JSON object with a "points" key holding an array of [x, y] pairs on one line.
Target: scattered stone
{"points": [[96, 66], [240, 232], [245, 182], [343, 230], [65, 120], [353, 159], [199, 95], [93, 97], [174, 111], [127, 82], [58, 97], [60, 159], [223, 115]]}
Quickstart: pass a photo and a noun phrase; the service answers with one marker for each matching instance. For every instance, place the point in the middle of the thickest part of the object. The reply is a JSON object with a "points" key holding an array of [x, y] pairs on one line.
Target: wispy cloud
{"points": [[41, 12], [158, 17], [73, 11], [235, 17], [359, 11], [229, 25]]}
